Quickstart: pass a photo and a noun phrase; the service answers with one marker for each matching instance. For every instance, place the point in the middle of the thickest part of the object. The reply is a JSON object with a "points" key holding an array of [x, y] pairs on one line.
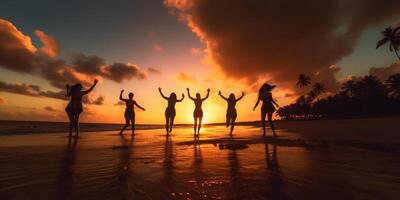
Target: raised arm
{"points": [[120, 96], [189, 94], [139, 106], [208, 94], [220, 94], [240, 97], [180, 100], [68, 91], [91, 88], [163, 96]]}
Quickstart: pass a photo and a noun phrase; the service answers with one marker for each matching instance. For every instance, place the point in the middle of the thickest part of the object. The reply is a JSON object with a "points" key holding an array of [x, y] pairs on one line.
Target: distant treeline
{"points": [[367, 97]]}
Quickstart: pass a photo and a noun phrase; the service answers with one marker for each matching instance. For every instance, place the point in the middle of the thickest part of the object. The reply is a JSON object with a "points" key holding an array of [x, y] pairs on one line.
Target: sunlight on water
{"points": [[152, 166]]}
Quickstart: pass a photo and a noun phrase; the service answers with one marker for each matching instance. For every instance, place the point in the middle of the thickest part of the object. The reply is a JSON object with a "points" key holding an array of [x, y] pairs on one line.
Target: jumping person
{"points": [[129, 111], [231, 113], [170, 110], [267, 108], [198, 112], [74, 107]]}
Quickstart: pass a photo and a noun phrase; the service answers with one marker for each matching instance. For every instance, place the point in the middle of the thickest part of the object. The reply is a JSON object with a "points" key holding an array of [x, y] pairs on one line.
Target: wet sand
{"points": [[103, 165]]}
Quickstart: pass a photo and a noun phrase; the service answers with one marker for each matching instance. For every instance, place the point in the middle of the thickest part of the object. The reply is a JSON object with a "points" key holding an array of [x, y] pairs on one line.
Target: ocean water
{"points": [[103, 165]]}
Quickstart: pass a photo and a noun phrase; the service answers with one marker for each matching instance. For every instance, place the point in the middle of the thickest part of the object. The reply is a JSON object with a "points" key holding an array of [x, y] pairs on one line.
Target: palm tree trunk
{"points": [[397, 54]]}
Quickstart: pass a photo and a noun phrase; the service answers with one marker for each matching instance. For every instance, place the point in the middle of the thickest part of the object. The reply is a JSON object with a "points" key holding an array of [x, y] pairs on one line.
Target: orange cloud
{"points": [[50, 45], [2, 101], [158, 48], [186, 78]]}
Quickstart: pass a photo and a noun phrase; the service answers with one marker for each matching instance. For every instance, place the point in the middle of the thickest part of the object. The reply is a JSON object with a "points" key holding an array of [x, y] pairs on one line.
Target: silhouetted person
{"points": [[267, 108], [198, 112], [231, 113], [129, 111], [170, 111], [74, 107]]}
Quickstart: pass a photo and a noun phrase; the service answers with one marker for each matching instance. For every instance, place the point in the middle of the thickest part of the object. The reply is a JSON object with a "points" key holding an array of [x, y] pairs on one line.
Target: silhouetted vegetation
{"points": [[391, 36], [367, 97]]}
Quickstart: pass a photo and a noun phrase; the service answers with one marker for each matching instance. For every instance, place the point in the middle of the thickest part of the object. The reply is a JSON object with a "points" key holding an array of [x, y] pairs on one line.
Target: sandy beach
{"points": [[296, 165]]}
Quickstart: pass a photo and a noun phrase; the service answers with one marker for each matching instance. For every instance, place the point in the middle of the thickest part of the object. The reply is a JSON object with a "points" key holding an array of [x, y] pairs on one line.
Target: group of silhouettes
{"points": [[75, 108]]}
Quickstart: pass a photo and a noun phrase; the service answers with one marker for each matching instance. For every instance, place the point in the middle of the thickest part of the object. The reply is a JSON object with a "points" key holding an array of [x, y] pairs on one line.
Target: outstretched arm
{"points": [[208, 94], [139, 106], [220, 94], [180, 100], [120, 96], [159, 89], [91, 88], [240, 97], [68, 91], [258, 101], [189, 94]]}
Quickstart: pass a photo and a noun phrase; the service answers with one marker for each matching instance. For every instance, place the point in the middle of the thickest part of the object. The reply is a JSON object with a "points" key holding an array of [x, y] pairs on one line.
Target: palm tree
{"points": [[391, 36], [393, 85], [303, 80], [349, 87], [318, 89]]}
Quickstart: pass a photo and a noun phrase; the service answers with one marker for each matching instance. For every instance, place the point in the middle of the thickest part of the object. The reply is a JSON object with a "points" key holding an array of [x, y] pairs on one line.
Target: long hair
{"points": [[75, 88], [173, 96]]}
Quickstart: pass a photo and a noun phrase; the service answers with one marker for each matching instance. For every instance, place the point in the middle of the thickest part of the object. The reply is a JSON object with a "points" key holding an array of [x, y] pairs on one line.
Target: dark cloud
{"points": [[119, 103], [153, 70], [383, 73], [50, 109], [121, 71], [99, 100], [88, 64], [21, 88], [55, 95], [18, 54], [277, 40]]}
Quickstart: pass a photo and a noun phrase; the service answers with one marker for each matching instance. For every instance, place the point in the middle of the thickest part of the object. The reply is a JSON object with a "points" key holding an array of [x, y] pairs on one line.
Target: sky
{"points": [[140, 45]]}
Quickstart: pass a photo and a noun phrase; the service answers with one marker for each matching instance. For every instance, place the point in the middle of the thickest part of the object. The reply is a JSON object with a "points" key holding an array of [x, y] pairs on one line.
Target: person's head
{"points": [[172, 96], [265, 88], [130, 95], [76, 88], [232, 96], [198, 95]]}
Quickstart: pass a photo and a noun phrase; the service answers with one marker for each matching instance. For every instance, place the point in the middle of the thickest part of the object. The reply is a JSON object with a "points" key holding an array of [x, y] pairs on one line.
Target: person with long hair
{"points": [[170, 110], [231, 113], [74, 107], [268, 105], [198, 112], [129, 111]]}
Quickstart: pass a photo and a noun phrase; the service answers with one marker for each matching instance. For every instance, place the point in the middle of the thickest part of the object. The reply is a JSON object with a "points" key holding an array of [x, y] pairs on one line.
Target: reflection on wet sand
{"points": [[152, 166], [275, 187], [66, 177], [124, 167]]}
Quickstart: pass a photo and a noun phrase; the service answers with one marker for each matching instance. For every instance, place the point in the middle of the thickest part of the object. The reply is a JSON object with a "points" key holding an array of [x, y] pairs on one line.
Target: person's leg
{"points": [[133, 125], [195, 125], [167, 124], [233, 124], [271, 123], [126, 125], [76, 116], [198, 129], [263, 114], [227, 120], [171, 121], [71, 123]]}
